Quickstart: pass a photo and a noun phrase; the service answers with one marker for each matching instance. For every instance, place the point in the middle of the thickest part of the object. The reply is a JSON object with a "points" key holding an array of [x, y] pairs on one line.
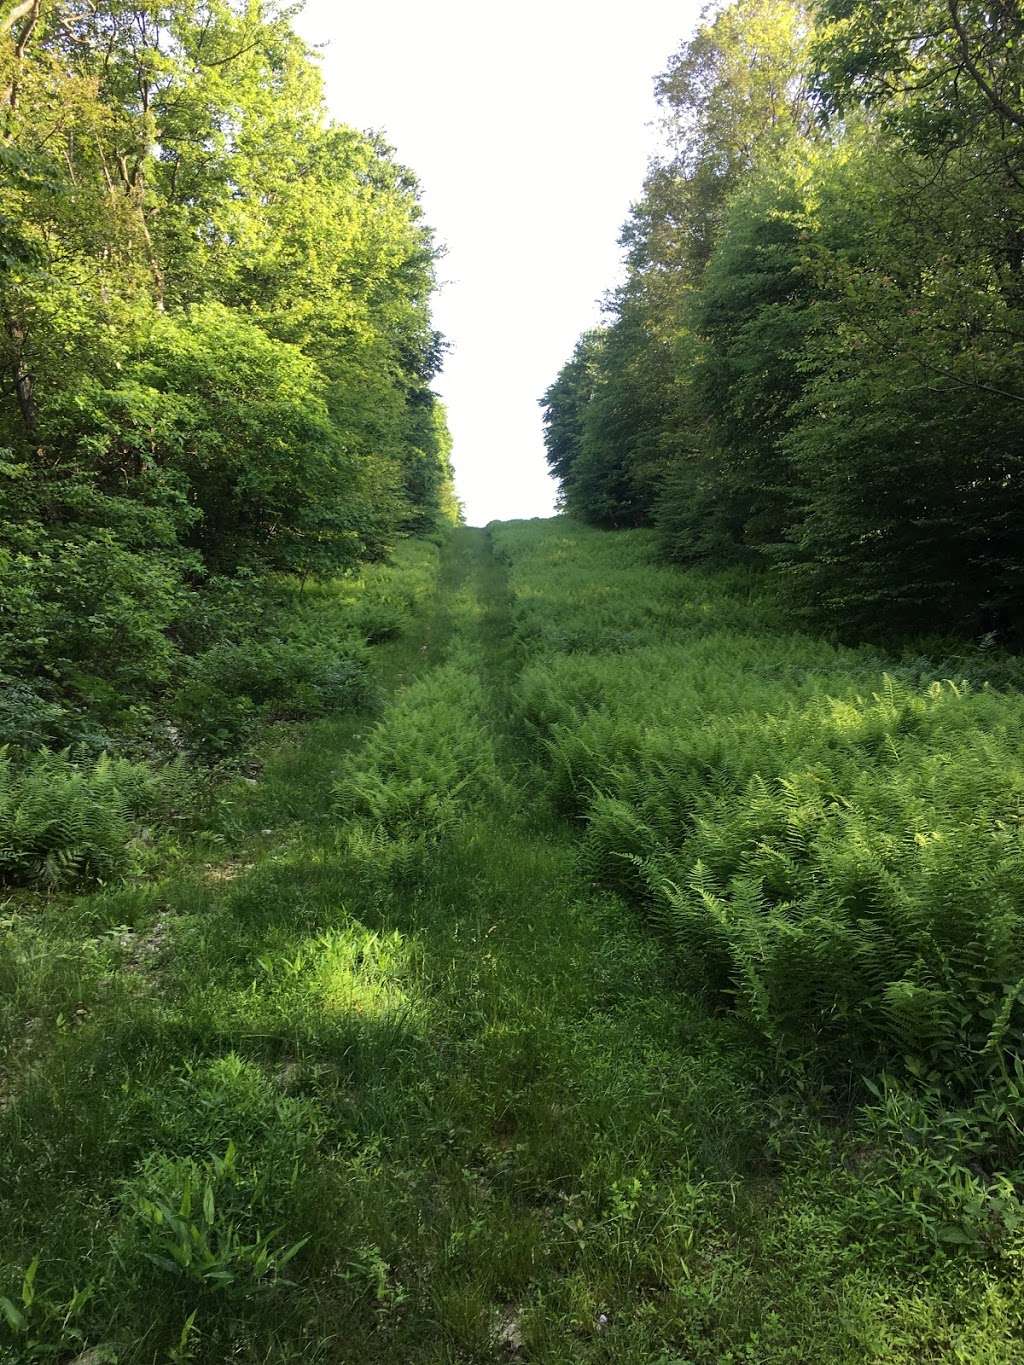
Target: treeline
{"points": [[815, 359], [217, 349]]}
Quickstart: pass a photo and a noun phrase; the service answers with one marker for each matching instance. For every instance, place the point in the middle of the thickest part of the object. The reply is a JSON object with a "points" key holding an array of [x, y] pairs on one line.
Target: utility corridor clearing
{"points": [[403, 1076]]}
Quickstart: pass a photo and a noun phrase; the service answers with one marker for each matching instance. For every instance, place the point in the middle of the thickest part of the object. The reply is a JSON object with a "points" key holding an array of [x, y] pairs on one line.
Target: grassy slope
{"points": [[416, 1035]]}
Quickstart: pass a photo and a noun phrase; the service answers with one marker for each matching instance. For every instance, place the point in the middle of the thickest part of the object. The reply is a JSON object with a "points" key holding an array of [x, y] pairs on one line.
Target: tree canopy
{"points": [[820, 332], [215, 326]]}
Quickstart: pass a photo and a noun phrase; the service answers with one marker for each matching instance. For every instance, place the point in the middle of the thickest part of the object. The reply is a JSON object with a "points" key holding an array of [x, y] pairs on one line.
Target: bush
{"points": [[244, 418], [941, 1179], [230, 687], [30, 719], [89, 616], [379, 621], [231, 609]]}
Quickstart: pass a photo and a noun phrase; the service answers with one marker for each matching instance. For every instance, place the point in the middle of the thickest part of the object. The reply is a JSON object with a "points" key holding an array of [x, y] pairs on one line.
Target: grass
{"points": [[388, 1068]]}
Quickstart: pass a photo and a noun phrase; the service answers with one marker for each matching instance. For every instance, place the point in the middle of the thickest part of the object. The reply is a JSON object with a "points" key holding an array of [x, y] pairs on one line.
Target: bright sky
{"points": [[529, 127]]}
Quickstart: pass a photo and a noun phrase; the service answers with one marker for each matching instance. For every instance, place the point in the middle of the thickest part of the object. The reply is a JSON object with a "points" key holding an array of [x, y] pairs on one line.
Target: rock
{"points": [[510, 1332]]}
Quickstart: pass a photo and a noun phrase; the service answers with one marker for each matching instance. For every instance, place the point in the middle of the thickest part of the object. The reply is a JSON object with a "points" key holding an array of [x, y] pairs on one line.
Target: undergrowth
{"points": [[259, 655], [836, 851], [385, 1065]]}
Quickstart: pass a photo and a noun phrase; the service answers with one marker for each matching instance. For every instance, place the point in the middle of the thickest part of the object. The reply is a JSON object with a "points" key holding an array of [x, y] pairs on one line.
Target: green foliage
{"points": [[246, 423], [806, 831], [429, 480], [230, 687], [261, 652], [378, 621], [428, 1092], [565, 404], [64, 822], [216, 337], [90, 583], [36, 1319], [752, 314], [910, 383], [939, 1175], [426, 764], [30, 720], [176, 1210], [734, 99], [814, 357]]}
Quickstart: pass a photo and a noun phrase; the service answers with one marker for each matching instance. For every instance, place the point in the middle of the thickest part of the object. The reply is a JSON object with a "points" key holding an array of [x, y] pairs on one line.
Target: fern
{"points": [[63, 823], [834, 852]]}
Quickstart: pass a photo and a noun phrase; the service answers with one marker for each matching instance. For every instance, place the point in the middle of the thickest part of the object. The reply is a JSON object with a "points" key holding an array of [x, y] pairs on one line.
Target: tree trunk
{"points": [[29, 11], [23, 386]]}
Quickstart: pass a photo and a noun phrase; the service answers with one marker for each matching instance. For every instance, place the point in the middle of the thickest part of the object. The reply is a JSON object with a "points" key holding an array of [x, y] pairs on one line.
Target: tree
{"points": [[815, 357], [565, 403], [734, 98], [214, 325]]}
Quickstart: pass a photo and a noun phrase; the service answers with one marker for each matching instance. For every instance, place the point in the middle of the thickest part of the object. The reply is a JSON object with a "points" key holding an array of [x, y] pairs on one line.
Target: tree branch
{"points": [[1014, 116], [29, 8], [18, 12]]}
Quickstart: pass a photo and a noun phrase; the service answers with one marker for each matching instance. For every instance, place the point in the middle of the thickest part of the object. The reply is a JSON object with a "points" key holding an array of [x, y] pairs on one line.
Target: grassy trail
{"points": [[536, 1126], [393, 1082]]}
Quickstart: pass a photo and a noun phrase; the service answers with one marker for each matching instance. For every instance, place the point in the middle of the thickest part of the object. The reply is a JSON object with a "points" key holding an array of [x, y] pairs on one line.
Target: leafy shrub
{"points": [[230, 687], [942, 1178], [88, 614], [244, 418], [30, 720], [239, 608], [377, 621]]}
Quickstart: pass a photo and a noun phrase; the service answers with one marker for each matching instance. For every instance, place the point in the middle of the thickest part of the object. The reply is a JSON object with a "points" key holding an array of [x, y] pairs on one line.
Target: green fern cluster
{"points": [[63, 823], [429, 760], [836, 852]]}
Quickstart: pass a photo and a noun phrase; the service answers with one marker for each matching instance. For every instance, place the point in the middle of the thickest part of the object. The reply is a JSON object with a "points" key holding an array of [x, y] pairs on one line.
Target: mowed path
{"points": [[533, 1121]]}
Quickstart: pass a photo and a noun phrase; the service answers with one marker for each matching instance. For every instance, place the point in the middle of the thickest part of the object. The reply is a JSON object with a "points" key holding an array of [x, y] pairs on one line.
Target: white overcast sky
{"points": [[529, 127]]}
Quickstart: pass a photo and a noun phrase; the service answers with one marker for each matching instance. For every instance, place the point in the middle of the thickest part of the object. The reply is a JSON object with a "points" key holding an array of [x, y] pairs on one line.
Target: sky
{"points": [[529, 127]]}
